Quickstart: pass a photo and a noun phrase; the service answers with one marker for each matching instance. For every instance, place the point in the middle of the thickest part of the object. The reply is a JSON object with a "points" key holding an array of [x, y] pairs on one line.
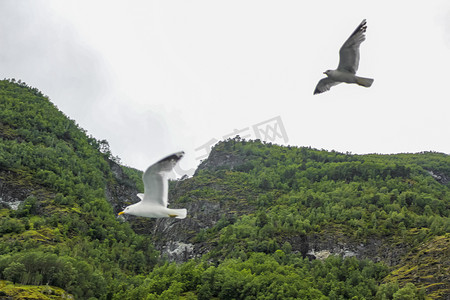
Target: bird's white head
{"points": [[127, 210]]}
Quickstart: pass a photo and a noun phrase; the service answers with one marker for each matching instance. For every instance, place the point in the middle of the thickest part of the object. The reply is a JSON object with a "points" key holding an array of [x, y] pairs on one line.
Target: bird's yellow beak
{"points": [[121, 213]]}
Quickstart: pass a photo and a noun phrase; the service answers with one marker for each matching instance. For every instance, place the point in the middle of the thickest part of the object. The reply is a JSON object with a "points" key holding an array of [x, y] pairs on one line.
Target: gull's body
{"points": [[348, 63], [154, 201]]}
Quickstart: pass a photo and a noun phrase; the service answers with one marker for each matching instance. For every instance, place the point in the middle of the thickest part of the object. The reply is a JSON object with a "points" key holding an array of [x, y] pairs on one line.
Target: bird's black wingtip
{"points": [[178, 155], [175, 156], [361, 27]]}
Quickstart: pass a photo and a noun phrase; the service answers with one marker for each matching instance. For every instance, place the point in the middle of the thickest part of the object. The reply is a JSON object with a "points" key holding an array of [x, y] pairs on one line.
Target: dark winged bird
{"points": [[348, 63], [154, 201]]}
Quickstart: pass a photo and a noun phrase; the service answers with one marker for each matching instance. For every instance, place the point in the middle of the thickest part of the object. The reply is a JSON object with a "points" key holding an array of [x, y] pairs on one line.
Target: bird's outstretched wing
{"points": [[349, 52], [324, 85], [155, 179]]}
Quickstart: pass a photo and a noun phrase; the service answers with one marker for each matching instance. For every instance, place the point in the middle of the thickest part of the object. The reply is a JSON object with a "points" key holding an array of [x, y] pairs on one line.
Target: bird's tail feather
{"points": [[366, 82], [179, 213]]}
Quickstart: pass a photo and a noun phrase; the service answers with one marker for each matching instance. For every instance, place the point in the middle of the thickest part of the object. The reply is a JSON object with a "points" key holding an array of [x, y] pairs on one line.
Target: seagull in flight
{"points": [[154, 201], [348, 63]]}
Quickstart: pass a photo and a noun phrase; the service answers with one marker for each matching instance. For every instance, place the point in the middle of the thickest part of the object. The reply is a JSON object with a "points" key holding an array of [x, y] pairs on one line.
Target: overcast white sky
{"points": [[155, 77]]}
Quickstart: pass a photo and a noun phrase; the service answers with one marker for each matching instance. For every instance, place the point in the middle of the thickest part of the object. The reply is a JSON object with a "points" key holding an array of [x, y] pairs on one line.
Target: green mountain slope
{"points": [[264, 221], [64, 232], [317, 203]]}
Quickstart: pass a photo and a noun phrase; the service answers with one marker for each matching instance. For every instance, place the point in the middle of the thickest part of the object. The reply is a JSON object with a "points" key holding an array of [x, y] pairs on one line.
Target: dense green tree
{"points": [[14, 272]]}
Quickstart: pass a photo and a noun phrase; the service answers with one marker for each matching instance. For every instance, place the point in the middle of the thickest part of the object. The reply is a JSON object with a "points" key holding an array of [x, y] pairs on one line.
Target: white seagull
{"points": [[154, 201], [348, 63]]}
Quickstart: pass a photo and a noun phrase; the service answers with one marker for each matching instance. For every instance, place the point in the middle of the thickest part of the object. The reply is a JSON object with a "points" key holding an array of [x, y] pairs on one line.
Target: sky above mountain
{"points": [[155, 77]]}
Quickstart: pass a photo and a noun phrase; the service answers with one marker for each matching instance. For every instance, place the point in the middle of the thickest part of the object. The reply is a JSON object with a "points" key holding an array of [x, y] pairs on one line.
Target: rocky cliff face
{"points": [[173, 237], [439, 176], [121, 191], [16, 188], [176, 239], [11, 192], [220, 160], [320, 246]]}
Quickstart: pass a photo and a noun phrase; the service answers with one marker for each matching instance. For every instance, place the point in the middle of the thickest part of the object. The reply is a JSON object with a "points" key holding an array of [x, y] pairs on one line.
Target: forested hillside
{"points": [[264, 221], [64, 232]]}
